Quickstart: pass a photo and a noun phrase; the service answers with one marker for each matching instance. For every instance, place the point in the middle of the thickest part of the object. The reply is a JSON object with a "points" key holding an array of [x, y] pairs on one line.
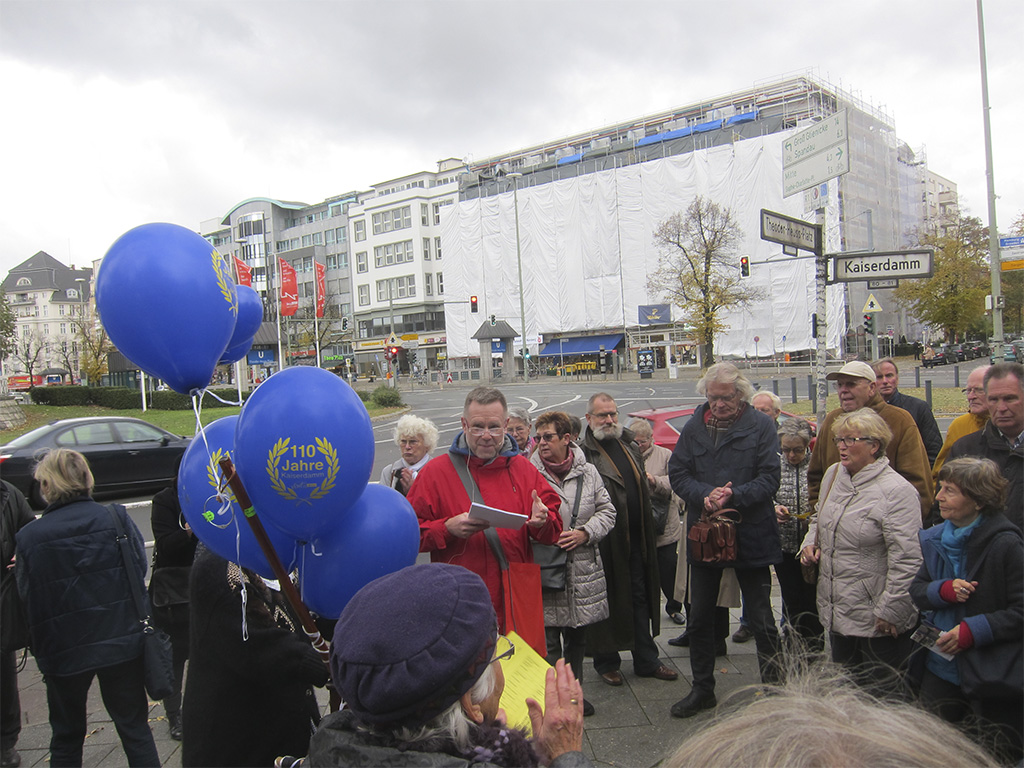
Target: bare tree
{"points": [[698, 271], [65, 350], [93, 345], [28, 350]]}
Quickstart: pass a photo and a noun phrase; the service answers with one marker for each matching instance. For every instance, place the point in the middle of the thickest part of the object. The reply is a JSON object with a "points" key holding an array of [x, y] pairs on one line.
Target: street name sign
{"points": [[883, 264], [816, 154], [787, 231]]}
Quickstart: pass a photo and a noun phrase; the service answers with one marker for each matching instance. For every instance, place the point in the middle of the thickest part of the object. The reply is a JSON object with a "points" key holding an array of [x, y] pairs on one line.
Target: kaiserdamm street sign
{"points": [[786, 230], [885, 264]]}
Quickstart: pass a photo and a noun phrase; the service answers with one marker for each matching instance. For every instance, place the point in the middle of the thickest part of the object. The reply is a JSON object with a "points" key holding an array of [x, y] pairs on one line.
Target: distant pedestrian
{"points": [[416, 438]]}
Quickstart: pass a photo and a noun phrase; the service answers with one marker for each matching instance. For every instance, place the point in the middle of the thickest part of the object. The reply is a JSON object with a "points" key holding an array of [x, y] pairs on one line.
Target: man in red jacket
{"points": [[506, 480]]}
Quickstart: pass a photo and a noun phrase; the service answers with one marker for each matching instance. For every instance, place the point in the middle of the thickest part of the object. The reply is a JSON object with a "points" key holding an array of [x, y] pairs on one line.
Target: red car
{"points": [[667, 422]]}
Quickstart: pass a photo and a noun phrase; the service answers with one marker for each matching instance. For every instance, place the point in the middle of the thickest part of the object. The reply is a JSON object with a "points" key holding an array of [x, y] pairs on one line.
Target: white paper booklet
{"points": [[499, 518]]}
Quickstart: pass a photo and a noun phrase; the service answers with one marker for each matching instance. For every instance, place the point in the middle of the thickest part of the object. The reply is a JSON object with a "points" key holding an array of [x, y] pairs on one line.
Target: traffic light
{"points": [[744, 266], [494, 321], [869, 323], [526, 354], [473, 305], [393, 351]]}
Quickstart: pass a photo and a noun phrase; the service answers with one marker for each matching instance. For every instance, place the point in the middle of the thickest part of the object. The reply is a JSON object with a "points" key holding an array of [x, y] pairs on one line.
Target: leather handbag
{"points": [[168, 586], [157, 661], [552, 559], [713, 537]]}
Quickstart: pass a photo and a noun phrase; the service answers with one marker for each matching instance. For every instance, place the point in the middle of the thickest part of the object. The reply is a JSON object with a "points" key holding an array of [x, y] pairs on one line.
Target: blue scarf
{"points": [[954, 543]]}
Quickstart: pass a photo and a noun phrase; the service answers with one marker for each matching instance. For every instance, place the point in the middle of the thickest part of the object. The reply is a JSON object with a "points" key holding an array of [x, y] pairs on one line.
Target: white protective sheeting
{"points": [[588, 246]]}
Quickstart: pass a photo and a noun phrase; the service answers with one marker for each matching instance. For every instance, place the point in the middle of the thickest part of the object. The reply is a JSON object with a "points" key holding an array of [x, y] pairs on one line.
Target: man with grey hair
{"points": [[967, 424], [727, 457], [769, 404], [1002, 439], [628, 552]]}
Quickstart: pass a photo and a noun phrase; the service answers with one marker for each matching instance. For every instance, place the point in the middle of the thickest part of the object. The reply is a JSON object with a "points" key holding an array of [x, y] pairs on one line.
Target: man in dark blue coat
{"points": [[727, 457]]}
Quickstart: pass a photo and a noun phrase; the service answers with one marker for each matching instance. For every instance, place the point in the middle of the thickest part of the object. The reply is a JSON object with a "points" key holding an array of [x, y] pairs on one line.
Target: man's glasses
{"points": [[504, 649], [549, 437], [481, 431], [973, 390], [605, 415]]}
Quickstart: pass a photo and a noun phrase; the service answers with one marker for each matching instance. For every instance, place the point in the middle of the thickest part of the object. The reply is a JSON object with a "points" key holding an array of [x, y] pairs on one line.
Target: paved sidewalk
{"points": [[632, 726]]}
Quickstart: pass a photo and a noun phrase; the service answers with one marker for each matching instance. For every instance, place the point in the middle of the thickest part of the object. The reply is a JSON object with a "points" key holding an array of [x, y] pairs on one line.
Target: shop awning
{"points": [[583, 345]]}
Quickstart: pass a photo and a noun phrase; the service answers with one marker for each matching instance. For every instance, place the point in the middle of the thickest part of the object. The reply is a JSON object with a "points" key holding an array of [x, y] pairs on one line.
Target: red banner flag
{"points": [[289, 289], [321, 287], [243, 272]]}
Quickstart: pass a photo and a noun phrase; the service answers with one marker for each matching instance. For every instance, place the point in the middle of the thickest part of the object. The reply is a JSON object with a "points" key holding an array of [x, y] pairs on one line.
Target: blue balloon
{"points": [[304, 450], [378, 535], [250, 316], [168, 302], [236, 352], [225, 532]]}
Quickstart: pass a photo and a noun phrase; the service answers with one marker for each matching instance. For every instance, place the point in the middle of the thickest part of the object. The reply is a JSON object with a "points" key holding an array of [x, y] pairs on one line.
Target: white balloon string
{"points": [[225, 509], [221, 400]]}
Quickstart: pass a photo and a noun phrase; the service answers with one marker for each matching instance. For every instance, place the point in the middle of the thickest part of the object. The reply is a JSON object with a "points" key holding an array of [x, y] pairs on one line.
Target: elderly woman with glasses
{"points": [[587, 516], [518, 429], [792, 509], [864, 539], [416, 438], [422, 685]]}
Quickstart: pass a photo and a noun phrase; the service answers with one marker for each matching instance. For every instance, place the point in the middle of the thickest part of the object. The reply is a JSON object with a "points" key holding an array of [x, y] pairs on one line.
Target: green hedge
{"points": [[386, 397], [124, 398]]}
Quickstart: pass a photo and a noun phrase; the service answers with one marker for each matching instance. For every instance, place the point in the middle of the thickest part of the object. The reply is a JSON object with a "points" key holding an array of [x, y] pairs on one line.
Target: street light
{"points": [[81, 299], [515, 176]]}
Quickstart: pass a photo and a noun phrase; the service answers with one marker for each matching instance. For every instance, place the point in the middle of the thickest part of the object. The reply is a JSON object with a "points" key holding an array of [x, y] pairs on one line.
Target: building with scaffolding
{"points": [[580, 213]]}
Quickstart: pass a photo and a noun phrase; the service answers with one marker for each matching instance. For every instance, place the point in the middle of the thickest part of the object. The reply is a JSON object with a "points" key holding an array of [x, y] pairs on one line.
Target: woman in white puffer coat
{"points": [[587, 517]]}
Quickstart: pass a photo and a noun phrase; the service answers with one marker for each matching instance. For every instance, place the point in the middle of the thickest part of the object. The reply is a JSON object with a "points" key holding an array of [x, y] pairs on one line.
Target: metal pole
{"points": [[993, 230], [519, 264]]}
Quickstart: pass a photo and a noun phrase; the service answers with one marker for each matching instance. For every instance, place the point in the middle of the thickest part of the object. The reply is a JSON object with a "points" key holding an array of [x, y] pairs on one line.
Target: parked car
{"points": [[978, 349], [956, 352], [1013, 352], [667, 422], [127, 456]]}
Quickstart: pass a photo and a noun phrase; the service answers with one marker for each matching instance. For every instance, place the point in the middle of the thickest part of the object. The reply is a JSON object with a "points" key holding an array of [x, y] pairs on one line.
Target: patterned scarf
{"points": [[718, 427]]}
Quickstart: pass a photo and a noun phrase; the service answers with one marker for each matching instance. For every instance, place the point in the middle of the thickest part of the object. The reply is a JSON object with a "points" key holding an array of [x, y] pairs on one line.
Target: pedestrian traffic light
{"points": [[744, 266], [526, 354], [473, 305], [494, 321], [869, 323]]}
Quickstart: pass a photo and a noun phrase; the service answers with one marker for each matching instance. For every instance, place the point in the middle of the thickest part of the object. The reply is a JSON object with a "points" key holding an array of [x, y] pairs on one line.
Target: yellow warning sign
{"points": [[872, 305]]}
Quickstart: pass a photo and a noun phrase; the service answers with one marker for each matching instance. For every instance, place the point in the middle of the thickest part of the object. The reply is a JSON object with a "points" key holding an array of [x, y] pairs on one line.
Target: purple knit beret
{"points": [[409, 645]]}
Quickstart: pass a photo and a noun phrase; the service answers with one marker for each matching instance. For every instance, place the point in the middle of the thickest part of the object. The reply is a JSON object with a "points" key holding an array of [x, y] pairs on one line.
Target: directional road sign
{"points": [[786, 230], [1011, 253], [870, 266], [816, 154]]}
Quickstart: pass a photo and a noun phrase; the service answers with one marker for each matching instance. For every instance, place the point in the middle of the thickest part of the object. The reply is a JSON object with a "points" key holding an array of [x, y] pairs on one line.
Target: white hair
{"points": [[414, 426]]}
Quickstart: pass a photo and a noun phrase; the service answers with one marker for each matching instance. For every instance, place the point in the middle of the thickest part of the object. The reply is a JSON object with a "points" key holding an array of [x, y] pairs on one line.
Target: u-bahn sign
{"points": [[885, 264]]}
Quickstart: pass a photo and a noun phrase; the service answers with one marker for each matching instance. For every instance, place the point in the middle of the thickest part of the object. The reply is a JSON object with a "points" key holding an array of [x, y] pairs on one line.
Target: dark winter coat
{"points": [[174, 548], [616, 632], [248, 699], [72, 578], [14, 515], [995, 612], [990, 444], [925, 420], [746, 455]]}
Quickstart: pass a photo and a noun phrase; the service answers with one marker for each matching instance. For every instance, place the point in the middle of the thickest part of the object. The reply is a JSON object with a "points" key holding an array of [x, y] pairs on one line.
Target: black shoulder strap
{"points": [[461, 465], [576, 504], [129, 565]]}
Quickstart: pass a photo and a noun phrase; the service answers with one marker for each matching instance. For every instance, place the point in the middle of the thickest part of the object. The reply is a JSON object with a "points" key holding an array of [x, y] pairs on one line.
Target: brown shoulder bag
{"points": [[713, 537]]}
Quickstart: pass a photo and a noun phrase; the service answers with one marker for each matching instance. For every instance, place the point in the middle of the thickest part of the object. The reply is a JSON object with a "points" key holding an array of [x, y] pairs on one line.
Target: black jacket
{"points": [[990, 444], [72, 578], [925, 420]]}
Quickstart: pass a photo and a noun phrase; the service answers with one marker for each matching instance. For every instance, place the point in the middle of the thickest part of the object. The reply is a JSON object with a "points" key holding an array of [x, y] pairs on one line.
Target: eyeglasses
{"points": [[973, 391], [846, 441], [605, 415], [481, 431], [549, 437], [504, 649], [519, 430], [803, 449], [722, 398]]}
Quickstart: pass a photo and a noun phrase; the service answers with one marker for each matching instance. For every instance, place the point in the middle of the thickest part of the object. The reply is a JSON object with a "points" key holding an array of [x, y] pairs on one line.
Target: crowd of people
{"points": [[899, 559]]}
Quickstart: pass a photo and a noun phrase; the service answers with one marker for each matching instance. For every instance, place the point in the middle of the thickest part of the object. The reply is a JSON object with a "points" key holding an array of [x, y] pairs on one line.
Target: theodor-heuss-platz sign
{"points": [[883, 264]]}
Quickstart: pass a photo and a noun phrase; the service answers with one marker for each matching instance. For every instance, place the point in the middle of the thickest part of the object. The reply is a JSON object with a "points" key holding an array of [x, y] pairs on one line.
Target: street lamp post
{"points": [[515, 176], [85, 330]]}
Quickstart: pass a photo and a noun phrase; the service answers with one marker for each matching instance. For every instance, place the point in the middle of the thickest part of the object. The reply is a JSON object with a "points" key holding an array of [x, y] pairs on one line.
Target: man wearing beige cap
{"points": [[855, 383]]}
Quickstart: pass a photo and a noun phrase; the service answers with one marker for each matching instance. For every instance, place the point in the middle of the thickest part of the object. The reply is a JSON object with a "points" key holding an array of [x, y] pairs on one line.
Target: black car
{"points": [[931, 357], [956, 353], [127, 456]]}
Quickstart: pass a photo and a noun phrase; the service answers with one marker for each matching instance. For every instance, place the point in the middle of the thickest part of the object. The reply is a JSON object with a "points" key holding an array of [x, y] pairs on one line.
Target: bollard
{"points": [[956, 376], [917, 376], [928, 393], [792, 385], [812, 392], [775, 387]]}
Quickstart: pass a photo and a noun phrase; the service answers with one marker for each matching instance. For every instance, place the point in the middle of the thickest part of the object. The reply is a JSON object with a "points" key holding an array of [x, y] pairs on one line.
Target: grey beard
{"points": [[608, 432]]}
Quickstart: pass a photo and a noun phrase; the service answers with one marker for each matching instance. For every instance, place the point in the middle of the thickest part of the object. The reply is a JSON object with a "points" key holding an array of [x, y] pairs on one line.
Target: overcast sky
{"points": [[121, 113]]}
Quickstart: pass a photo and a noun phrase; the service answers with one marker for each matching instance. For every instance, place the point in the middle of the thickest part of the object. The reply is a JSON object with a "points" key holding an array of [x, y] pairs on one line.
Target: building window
{"points": [[364, 295], [393, 253], [437, 209], [390, 220], [359, 230], [342, 234], [24, 281], [401, 288], [307, 240], [440, 284], [428, 285], [318, 238], [343, 260], [362, 265], [332, 261], [328, 236], [424, 214], [437, 248], [426, 249]]}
